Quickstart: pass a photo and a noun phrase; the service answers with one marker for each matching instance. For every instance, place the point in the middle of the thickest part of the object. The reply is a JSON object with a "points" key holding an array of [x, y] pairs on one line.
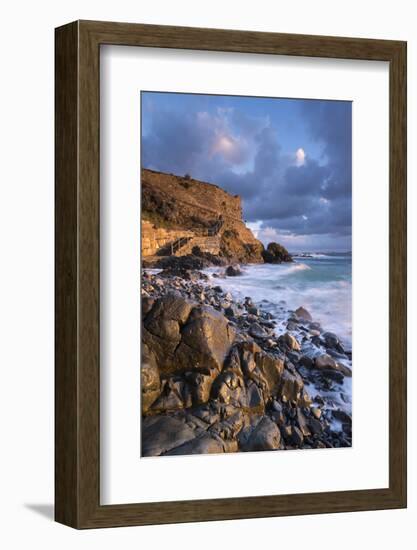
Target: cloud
{"points": [[286, 193], [300, 157]]}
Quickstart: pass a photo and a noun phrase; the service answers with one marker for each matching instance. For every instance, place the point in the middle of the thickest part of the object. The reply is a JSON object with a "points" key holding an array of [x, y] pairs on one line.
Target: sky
{"points": [[289, 159]]}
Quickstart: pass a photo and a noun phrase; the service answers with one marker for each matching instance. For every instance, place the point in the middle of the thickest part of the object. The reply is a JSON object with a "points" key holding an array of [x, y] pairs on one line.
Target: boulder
{"points": [[303, 314], [342, 416], [231, 311], [296, 437], [276, 254], [302, 422], [288, 341], [324, 361], [161, 328], [162, 433], [346, 371], [171, 306], [315, 426], [206, 340], [257, 331], [306, 361], [233, 271], [332, 341], [264, 437]]}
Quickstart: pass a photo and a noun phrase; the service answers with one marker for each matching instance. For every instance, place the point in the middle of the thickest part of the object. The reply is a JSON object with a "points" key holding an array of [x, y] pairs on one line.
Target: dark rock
{"points": [[276, 254], [182, 273], [163, 433], [257, 331], [297, 437], [182, 262], [233, 271], [346, 371], [264, 437], [231, 311], [254, 396], [332, 341], [315, 426], [342, 416], [306, 361], [302, 422], [303, 314]]}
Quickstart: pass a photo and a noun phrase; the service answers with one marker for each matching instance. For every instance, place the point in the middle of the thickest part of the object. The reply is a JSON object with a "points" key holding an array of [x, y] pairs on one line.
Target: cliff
{"points": [[199, 213]]}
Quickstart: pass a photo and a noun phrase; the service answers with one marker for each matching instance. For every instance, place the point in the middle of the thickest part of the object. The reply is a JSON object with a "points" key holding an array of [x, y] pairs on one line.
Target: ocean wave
{"points": [[292, 269], [328, 300]]}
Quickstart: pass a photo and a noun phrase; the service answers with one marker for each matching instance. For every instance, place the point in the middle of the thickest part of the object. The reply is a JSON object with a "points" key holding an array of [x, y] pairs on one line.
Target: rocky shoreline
{"points": [[222, 375]]}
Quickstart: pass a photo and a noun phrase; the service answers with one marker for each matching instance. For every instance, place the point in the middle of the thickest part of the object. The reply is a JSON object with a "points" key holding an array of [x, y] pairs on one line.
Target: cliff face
{"points": [[182, 204]]}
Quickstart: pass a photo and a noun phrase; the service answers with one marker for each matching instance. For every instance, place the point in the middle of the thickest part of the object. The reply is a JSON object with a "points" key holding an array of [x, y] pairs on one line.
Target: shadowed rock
{"points": [[264, 437], [163, 433], [276, 254], [204, 444]]}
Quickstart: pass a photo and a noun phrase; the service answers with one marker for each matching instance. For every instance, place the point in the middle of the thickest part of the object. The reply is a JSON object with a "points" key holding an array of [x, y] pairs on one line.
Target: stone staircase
{"points": [[162, 242], [206, 244], [208, 240]]}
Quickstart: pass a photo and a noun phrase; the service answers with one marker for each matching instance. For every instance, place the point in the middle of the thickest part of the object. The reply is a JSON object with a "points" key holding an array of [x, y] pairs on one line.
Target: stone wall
{"points": [[155, 238]]}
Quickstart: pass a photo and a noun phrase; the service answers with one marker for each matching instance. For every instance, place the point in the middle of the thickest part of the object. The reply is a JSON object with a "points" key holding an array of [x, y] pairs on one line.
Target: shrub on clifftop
{"points": [[275, 254]]}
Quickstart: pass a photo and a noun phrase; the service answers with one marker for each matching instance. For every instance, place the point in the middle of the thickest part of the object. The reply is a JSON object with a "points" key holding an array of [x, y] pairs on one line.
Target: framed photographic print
{"points": [[230, 274]]}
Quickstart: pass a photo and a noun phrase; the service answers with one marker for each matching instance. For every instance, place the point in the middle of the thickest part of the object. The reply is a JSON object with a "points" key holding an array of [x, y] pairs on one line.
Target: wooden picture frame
{"points": [[77, 404]]}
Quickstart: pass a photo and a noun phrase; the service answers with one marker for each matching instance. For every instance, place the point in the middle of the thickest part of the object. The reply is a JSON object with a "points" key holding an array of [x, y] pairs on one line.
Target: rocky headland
{"points": [[181, 213], [220, 374]]}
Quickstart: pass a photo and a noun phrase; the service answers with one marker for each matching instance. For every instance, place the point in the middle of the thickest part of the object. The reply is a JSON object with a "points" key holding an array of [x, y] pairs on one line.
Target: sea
{"points": [[320, 282]]}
